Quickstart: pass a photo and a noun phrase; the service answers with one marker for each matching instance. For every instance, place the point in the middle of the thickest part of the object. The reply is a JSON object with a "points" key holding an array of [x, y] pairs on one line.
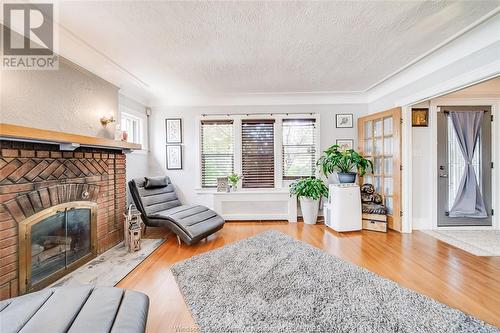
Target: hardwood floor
{"points": [[416, 261]]}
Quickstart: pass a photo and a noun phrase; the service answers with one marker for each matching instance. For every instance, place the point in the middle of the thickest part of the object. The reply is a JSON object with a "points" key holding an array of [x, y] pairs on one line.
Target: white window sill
{"points": [[242, 191]]}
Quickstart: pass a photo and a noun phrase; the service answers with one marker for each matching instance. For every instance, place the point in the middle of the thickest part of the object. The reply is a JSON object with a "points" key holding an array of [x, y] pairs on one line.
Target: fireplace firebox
{"points": [[55, 241]]}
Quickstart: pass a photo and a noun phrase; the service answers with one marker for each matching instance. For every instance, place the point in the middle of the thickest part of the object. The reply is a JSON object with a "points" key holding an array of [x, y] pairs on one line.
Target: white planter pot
{"points": [[309, 209]]}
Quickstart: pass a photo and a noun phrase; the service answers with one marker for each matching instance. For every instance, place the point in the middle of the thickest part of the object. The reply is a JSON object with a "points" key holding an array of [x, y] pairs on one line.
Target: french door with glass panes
{"points": [[380, 141]]}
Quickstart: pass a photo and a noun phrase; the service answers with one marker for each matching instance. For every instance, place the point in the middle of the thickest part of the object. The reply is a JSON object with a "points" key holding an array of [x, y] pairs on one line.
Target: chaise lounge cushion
{"points": [[76, 310], [160, 206], [192, 220]]}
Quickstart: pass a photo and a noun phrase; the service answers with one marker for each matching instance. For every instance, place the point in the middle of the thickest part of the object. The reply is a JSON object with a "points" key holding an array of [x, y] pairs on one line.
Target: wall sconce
{"points": [[105, 121]]}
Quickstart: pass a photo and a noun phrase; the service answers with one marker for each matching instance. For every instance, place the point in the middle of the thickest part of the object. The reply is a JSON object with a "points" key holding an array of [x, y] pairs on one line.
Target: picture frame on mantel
{"points": [[174, 157], [173, 128], [344, 120]]}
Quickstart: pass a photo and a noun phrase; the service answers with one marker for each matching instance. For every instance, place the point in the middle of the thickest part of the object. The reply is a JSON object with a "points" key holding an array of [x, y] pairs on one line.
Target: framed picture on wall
{"points": [[420, 117], [174, 157], [173, 127], [344, 120], [345, 144]]}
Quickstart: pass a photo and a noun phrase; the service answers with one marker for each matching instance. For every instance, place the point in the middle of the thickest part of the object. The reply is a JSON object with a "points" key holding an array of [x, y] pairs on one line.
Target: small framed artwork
{"points": [[174, 157], [344, 120], [173, 127], [345, 144], [222, 184], [420, 117]]}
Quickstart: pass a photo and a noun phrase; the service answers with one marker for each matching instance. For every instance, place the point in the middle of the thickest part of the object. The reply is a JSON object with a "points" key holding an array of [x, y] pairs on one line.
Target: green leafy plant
{"points": [[313, 188], [234, 179], [336, 160]]}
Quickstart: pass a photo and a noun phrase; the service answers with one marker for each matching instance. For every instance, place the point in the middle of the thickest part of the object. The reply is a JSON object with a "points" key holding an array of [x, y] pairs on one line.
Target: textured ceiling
{"points": [[204, 48]]}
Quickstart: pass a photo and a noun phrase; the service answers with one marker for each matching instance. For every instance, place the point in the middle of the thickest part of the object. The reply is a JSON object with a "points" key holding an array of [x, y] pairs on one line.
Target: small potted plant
{"points": [[233, 180], [309, 191], [347, 163]]}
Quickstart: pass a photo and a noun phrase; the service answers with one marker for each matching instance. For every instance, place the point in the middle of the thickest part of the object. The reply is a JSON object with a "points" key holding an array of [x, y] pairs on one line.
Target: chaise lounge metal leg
{"points": [[179, 240]]}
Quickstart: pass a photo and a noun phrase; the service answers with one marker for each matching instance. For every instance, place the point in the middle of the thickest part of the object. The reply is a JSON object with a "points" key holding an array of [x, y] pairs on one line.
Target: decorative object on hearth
{"points": [[347, 163], [420, 117], [374, 212], [309, 191], [344, 120], [222, 184], [132, 229], [173, 129], [234, 179]]}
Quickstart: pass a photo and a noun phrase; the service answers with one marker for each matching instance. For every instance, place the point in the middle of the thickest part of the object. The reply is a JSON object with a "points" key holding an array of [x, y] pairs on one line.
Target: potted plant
{"points": [[233, 180], [309, 191], [347, 163]]}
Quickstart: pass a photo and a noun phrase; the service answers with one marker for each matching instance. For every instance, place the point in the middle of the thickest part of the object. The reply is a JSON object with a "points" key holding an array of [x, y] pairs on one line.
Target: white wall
{"points": [[70, 100], [186, 179]]}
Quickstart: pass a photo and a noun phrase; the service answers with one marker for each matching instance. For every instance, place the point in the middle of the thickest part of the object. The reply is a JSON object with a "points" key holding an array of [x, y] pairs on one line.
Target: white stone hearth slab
{"points": [[110, 267]]}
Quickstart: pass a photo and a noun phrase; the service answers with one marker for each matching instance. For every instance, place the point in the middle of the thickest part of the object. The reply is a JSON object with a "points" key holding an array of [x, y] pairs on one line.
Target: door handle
{"points": [[443, 175]]}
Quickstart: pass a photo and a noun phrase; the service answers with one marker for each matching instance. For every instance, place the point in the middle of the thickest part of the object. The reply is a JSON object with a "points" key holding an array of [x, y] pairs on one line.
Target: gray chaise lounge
{"points": [[159, 205], [81, 309]]}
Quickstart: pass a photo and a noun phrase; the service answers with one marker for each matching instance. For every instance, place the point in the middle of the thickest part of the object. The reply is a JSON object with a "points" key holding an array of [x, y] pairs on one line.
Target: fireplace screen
{"points": [[56, 242]]}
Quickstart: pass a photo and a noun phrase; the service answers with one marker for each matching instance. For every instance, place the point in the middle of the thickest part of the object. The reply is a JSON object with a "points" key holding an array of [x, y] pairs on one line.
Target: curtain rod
{"points": [[446, 111], [256, 114]]}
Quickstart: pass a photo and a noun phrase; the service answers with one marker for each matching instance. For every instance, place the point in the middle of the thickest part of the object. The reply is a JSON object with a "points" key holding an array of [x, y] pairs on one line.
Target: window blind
{"points": [[257, 153], [217, 151], [299, 148]]}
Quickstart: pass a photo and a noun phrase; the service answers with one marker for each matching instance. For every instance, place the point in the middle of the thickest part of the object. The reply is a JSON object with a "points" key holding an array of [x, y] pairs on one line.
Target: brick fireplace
{"points": [[34, 178]]}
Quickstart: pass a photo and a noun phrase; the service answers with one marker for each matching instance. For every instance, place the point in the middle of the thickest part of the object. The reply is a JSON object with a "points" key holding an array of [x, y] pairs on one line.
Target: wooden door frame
{"points": [[395, 221]]}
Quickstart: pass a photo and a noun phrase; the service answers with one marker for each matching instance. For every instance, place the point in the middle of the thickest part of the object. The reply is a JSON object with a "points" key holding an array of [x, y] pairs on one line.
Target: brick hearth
{"points": [[34, 177]]}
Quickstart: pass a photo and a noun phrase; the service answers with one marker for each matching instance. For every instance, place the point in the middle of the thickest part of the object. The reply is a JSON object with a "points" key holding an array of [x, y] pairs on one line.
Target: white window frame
{"points": [[279, 182], [140, 126]]}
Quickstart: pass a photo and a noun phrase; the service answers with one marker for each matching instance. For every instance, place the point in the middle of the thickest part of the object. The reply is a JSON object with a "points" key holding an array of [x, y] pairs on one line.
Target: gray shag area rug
{"points": [[110, 267], [274, 283]]}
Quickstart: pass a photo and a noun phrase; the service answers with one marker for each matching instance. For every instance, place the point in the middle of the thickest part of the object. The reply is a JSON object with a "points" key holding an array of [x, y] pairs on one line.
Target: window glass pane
{"points": [[378, 146], [387, 186], [217, 155], [388, 126], [377, 166], [377, 183], [131, 125], [388, 146], [368, 129], [368, 147], [388, 166], [257, 153], [389, 204], [299, 147], [378, 128]]}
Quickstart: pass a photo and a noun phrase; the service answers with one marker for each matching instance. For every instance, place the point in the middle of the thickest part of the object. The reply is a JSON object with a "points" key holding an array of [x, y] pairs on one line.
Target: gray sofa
{"points": [[159, 205], [80, 309]]}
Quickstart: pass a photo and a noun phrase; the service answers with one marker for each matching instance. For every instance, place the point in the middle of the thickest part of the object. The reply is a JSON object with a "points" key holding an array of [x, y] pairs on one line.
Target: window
{"points": [[132, 125], [217, 151], [257, 139], [299, 148]]}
